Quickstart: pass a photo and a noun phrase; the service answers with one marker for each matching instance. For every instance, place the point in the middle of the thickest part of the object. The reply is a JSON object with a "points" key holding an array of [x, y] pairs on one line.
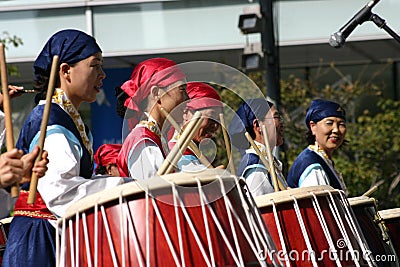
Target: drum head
{"points": [[390, 213], [287, 195], [153, 186], [361, 200]]}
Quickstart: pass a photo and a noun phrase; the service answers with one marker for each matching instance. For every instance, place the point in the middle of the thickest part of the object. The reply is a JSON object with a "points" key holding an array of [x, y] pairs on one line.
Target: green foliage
{"points": [[10, 40]]}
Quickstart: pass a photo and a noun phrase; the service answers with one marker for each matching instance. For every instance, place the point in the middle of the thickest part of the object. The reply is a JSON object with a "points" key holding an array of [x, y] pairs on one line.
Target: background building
{"points": [[130, 31]]}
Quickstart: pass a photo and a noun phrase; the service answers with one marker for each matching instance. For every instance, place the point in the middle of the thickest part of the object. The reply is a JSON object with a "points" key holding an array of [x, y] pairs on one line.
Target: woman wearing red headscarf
{"points": [[154, 84], [205, 99], [105, 159]]}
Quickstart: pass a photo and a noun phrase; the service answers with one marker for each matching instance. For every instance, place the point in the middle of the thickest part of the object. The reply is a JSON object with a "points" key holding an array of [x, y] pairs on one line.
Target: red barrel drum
{"points": [[182, 219]]}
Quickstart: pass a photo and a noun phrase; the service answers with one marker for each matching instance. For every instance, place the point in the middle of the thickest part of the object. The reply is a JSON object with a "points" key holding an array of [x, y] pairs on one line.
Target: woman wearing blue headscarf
{"points": [[326, 123], [68, 142], [249, 118]]}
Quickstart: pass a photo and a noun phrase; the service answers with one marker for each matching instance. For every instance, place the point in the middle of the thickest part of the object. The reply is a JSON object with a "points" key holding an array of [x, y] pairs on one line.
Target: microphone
{"points": [[339, 38]]}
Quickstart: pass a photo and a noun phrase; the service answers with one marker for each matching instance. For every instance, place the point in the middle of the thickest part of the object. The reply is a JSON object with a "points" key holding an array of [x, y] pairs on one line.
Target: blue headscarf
{"points": [[70, 45], [320, 109], [250, 110]]}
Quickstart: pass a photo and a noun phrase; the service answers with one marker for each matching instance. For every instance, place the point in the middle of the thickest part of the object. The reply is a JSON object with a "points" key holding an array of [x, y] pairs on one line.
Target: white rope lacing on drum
{"points": [[355, 227], [96, 234], [257, 238], [178, 225], [193, 229], [122, 229], [205, 218], [87, 244], [280, 233], [221, 230], [304, 231], [325, 229], [166, 234], [228, 211], [77, 239], [340, 224], [244, 231], [128, 216], [265, 236], [61, 257], [71, 242], [147, 228], [109, 239]]}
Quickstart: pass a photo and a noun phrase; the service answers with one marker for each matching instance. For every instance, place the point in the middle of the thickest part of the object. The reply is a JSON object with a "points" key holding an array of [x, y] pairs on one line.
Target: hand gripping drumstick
{"points": [[7, 110], [227, 144], [43, 128], [183, 142], [203, 160], [271, 160]]}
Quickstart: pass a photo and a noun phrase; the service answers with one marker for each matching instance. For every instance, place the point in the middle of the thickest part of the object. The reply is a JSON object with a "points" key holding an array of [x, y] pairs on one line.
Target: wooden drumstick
{"points": [[373, 189], [227, 144], [203, 160], [176, 152], [7, 110], [271, 159], [262, 158], [43, 128]]}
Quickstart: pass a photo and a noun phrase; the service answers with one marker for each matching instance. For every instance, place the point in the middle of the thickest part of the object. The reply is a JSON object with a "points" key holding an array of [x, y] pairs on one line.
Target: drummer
{"points": [[205, 99], [249, 117], [154, 84], [105, 159], [326, 124], [32, 236]]}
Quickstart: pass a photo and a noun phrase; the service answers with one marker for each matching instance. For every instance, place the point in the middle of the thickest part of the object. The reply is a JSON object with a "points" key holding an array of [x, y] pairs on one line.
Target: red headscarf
{"points": [[107, 154], [155, 71], [201, 96]]}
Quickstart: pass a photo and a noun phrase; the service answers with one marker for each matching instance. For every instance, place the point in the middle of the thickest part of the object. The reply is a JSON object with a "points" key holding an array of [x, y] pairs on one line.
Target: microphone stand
{"points": [[381, 23]]}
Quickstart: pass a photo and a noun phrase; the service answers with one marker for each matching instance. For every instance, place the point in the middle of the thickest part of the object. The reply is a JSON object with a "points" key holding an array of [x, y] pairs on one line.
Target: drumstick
{"points": [[262, 158], [372, 189], [43, 128], [203, 160], [7, 110], [271, 159], [227, 144], [181, 145]]}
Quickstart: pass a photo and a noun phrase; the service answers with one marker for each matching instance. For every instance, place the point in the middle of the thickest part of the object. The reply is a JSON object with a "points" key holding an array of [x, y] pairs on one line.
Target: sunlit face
{"points": [[329, 133], [84, 80], [274, 126], [173, 96], [210, 125]]}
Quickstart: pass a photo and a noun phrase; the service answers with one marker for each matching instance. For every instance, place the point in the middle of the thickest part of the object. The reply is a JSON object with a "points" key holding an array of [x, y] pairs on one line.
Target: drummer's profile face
{"points": [[210, 125], [329, 133]]}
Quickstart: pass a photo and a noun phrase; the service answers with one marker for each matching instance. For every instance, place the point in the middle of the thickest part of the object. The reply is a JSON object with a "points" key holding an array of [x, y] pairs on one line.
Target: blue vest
{"points": [[251, 161], [305, 159], [57, 117]]}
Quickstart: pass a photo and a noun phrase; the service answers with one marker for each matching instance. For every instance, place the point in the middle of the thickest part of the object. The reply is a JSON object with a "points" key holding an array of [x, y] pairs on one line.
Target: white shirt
{"points": [[62, 186]]}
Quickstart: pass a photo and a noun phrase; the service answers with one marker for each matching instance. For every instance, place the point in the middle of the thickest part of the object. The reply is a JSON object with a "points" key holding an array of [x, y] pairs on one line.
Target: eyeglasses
{"points": [[276, 117]]}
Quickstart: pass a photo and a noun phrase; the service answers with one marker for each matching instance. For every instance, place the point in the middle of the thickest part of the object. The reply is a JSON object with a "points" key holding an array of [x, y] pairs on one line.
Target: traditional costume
{"points": [[312, 166], [201, 96], [251, 167], [143, 152], [31, 240]]}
